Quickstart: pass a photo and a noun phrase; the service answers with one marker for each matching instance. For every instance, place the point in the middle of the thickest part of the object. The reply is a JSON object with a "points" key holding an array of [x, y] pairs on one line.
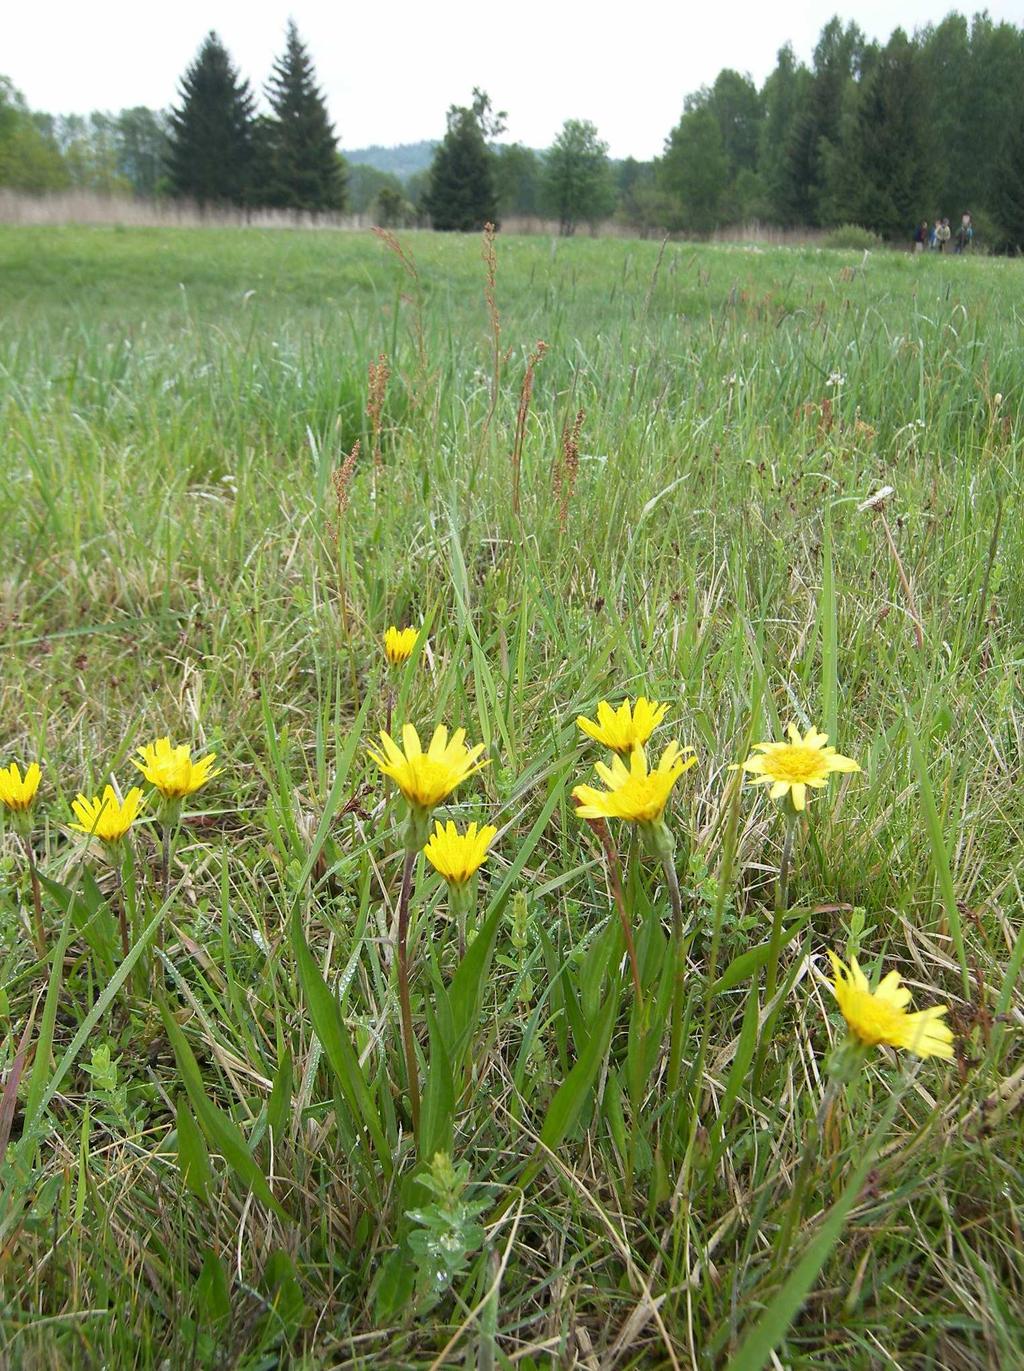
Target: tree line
{"points": [[880, 135], [213, 147]]}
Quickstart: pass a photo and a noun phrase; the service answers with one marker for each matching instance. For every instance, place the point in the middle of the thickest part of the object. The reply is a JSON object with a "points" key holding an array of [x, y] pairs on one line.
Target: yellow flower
{"points": [[638, 794], [427, 778], [879, 1016], [171, 769], [108, 817], [18, 794], [399, 643], [793, 766], [458, 856], [623, 729]]}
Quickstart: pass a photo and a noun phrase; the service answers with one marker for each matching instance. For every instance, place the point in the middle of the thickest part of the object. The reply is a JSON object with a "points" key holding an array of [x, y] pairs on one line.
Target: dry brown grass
{"points": [[91, 207]]}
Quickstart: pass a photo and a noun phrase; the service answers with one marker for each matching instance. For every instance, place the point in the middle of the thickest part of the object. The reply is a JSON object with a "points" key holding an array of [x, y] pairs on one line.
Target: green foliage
{"points": [[30, 159], [365, 184], [112, 154], [882, 136], [851, 236], [404, 160], [178, 563], [141, 148], [301, 166], [642, 204], [392, 208], [880, 173], [448, 1230], [695, 171], [461, 193], [517, 176], [211, 153], [91, 152], [576, 185], [736, 104], [1008, 194], [107, 1084]]}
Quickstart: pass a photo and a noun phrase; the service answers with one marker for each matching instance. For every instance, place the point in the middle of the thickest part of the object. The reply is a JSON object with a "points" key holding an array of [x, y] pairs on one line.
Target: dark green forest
{"points": [[875, 135]]}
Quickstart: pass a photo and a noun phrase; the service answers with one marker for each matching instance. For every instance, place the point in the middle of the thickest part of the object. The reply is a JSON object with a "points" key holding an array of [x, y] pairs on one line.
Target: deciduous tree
{"points": [[577, 185]]}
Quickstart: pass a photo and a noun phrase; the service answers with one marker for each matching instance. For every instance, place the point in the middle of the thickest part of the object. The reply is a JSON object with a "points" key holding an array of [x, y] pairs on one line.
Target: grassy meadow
{"points": [[211, 1158]]}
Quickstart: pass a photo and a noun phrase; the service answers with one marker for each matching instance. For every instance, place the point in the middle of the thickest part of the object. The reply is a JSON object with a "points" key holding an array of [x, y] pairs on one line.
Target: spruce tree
{"points": [[888, 144], [304, 169], [838, 58], [462, 193], [1008, 195], [784, 97], [210, 155]]}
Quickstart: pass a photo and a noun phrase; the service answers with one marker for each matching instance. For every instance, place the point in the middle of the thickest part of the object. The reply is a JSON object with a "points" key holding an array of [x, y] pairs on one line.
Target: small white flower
{"points": [[836, 378]]}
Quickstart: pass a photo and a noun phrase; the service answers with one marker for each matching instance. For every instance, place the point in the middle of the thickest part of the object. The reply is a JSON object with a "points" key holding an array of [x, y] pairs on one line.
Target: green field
{"points": [[211, 1158]]}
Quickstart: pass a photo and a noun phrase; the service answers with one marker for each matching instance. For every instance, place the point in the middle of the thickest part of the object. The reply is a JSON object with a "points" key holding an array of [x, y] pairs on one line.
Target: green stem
{"points": [[404, 998], [675, 1053], [37, 899], [781, 905], [168, 832], [807, 1159], [615, 881], [165, 836], [122, 913]]}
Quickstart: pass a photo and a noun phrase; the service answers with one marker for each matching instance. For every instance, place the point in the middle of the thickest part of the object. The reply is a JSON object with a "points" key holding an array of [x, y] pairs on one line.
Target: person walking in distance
{"points": [[964, 234]]}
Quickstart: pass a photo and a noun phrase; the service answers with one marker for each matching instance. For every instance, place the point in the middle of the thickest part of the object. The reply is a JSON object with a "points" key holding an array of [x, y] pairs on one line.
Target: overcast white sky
{"points": [[390, 69]]}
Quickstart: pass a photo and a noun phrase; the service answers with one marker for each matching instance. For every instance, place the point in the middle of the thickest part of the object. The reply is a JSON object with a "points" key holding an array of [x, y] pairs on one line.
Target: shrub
{"points": [[852, 236]]}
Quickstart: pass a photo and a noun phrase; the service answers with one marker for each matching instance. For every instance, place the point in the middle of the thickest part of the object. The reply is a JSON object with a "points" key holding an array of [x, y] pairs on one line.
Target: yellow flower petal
{"points": [[879, 1016], [458, 856], [171, 770], [105, 816], [790, 767], [427, 778], [399, 644], [17, 792], [637, 795], [623, 729]]}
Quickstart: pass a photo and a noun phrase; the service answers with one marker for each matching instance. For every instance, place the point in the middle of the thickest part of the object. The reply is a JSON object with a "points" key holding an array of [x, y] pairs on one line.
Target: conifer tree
{"points": [[304, 169], [1008, 194], [210, 155], [888, 147], [462, 192]]}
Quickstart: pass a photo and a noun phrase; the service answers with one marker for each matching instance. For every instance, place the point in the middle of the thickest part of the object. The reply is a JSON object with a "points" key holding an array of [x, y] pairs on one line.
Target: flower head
{"points": [[107, 817], [637, 794], [880, 1015], [458, 856], [792, 767], [623, 729], [172, 771], [399, 643], [18, 793], [427, 778]]}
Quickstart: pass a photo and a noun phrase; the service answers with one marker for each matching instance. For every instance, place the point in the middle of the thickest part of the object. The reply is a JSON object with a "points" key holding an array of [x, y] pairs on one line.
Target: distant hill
{"points": [[402, 161]]}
